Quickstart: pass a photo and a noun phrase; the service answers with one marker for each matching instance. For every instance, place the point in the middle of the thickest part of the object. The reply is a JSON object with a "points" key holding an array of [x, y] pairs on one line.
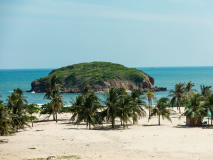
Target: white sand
{"points": [[146, 140]]}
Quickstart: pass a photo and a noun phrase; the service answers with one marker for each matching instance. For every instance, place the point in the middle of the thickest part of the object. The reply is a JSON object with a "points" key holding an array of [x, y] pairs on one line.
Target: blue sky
{"points": [[135, 33]]}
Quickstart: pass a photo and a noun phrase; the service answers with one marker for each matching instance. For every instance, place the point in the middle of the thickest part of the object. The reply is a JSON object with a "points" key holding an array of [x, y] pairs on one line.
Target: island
{"points": [[101, 76]]}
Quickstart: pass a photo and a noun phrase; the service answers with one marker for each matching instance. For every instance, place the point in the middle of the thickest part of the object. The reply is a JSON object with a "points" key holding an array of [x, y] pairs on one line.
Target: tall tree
{"points": [[111, 106], [125, 104], [87, 109], [162, 109], [53, 93], [177, 95], [17, 104], [32, 108], [194, 108], [138, 103], [205, 91], [150, 96], [209, 106], [5, 120], [188, 88]]}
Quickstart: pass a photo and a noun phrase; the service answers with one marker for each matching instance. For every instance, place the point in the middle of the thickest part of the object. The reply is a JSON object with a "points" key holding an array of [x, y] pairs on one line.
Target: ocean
{"points": [[164, 77]]}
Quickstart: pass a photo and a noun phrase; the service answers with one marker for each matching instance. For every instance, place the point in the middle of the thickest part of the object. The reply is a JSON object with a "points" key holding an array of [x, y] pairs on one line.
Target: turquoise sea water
{"points": [[164, 77]]}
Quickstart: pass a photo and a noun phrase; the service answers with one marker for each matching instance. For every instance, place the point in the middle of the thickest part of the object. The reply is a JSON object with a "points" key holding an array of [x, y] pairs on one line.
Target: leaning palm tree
{"points": [[162, 109], [205, 91], [194, 109], [177, 95], [150, 96]]}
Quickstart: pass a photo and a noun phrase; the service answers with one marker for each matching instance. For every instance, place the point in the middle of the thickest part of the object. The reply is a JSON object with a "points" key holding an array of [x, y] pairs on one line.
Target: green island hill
{"points": [[101, 76]]}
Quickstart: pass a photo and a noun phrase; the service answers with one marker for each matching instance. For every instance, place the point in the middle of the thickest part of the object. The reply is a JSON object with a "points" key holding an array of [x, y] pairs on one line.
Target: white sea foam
{"points": [[11, 91]]}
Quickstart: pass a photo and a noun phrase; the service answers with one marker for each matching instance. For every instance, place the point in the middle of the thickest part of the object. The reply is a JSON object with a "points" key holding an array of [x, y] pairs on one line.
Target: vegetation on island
{"points": [[99, 75], [89, 73], [87, 108]]}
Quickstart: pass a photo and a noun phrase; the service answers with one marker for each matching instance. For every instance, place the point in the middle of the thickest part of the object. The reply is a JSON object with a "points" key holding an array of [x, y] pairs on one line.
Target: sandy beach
{"points": [[146, 140]]}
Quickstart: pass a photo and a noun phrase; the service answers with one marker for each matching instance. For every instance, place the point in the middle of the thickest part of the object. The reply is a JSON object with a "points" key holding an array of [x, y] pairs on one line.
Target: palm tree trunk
{"points": [[53, 116], [56, 117], [89, 125], [179, 107], [159, 120], [113, 123]]}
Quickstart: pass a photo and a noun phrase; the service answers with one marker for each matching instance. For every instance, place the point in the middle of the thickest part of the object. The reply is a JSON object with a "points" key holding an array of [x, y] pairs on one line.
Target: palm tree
{"points": [[88, 110], [32, 108], [17, 105], [5, 120], [209, 106], [205, 91], [194, 109], [138, 102], [177, 95], [125, 104], [188, 88], [87, 89], [56, 104], [76, 106], [111, 106], [150, 96], [52, 92], [162, 109]]}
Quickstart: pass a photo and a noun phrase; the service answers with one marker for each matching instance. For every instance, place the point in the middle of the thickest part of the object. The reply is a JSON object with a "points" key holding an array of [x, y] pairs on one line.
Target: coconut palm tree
{"points": [[32, 108], [194, 109], [53, 93], [17, 105], [56, 104], [125, 105], [5, 120], [138, 102], [205, 91], [76, 106], [177, 95], [209, 105], [150, 96], [88, 110], [188, 88], [111, 108], [87, 89], [162, 109]]}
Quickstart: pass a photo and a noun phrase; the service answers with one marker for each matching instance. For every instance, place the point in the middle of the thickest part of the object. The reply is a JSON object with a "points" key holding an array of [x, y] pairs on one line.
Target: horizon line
{"points": [[128, 67]]}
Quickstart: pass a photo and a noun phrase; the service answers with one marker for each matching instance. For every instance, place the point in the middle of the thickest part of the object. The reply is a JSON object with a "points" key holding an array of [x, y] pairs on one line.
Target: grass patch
{"points": [[68, 157]]}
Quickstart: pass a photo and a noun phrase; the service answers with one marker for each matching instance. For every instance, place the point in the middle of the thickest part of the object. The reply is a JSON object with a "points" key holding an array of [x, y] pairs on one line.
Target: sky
{"points": [[135, 33]]}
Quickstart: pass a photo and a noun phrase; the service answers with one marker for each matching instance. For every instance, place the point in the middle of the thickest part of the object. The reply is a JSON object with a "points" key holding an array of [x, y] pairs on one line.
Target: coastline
{"points": [[146, 140]]}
